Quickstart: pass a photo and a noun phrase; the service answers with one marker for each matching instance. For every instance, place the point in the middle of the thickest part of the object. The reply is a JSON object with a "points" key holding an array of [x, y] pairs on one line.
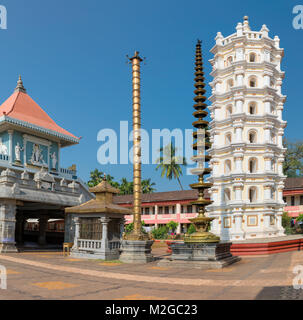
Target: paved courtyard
{"points": [[49, 275]]}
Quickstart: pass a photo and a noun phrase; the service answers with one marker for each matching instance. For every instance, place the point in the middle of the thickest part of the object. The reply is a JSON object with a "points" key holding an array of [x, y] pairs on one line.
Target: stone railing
{"points": [[4, 157], [89, 245], [70, 174], [95, 245]]}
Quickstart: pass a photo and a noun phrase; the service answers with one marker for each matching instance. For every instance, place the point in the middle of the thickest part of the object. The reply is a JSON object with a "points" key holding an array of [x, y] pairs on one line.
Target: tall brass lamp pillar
{"points": [[201, 144], [136, 246]]}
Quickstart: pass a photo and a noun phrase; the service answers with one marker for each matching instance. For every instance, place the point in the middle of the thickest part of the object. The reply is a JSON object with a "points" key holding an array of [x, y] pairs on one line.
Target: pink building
{"points": [[161, 207]]}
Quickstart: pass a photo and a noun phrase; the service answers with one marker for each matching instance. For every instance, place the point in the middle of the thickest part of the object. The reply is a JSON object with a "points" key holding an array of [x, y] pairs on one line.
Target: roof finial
{"points": [[246, 23], [20, 87]]}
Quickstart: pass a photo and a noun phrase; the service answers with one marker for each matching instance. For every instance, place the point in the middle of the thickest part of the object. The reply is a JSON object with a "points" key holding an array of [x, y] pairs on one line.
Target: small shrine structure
{"points": [[99, 225]]}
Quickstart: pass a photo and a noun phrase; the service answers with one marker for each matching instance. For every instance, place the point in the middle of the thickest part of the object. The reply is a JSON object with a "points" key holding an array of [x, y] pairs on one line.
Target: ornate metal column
{"points": [[137, 233], [201, 144]]}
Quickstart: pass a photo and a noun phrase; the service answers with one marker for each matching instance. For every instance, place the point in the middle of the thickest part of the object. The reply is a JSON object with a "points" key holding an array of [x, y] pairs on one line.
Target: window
{"points": [[301, 200], [166, 210], [252, 57], [154, 210], [252, 165], [189, 209], [182, 209], [284, 199], [226, 195], [227, 222], [252, 108], [227, 166], [146, 210], [252, 137], [273, 138], [252, 194], [230, 84], [228, 139], [229, 60], [252, 221], [228, 111], [160, 211], [173, 209], [292, 200], [252, 82]]}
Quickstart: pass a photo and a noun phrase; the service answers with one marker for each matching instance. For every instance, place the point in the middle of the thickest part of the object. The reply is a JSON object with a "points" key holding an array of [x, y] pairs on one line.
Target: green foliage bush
{"points": [[172, 225], [130, 227], [160, 232], [300, 218]]}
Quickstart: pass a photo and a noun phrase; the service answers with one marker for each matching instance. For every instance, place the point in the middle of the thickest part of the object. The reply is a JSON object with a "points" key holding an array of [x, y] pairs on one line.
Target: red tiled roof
{"points": [[160, 196], [293, 183], [22, 107]]}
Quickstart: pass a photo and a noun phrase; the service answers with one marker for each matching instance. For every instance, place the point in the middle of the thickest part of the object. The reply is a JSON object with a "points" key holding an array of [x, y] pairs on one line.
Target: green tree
{"points": [[293, 162], [126, 187], [172, 225], [170, 164], [130, 227], [147, 186], [160, 232], [97, 176]]}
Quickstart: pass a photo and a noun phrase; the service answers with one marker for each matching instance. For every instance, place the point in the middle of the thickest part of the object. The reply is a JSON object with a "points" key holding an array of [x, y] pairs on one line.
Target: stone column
{"points": [[238, 156], [7, 226], [122, 222], [238, 187], [10, 134], [19, 227], [280, 138], [268, 161], [104, 243], [267, 129], [238, 233], [178, 212], [266, 218], [239, 77], [239, 98], [77, 232], [239, 129], [266, 79], [42, 230], [267, 104], [156, 216], [279, 111]]}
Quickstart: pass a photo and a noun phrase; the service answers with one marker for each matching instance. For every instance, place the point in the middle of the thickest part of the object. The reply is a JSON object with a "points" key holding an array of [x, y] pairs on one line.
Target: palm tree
{"points": [[97, 176], [170, 164], [147, 186], [126, 187]]}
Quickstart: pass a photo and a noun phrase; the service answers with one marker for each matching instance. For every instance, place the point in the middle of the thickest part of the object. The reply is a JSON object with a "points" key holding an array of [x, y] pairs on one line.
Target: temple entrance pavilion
{"points": [[33, 185]]}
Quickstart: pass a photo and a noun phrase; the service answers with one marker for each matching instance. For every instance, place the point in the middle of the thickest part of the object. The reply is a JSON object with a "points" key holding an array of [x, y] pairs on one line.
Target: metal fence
{"points": [[90, 228]]}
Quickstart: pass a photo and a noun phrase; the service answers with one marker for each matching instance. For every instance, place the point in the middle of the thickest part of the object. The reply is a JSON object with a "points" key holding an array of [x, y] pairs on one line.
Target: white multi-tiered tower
{"points": [[246, 135]]}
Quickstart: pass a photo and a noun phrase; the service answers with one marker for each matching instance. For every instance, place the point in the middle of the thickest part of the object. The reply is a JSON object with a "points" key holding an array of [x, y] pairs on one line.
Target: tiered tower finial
{"points": [[201, 144], [20, 87]]}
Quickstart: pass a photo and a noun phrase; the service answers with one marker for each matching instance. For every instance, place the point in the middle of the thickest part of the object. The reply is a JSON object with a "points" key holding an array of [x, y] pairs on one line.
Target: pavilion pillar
{"points": [[19, 227], [7, 226], [104, 241], [77, 232], [42, 230]]}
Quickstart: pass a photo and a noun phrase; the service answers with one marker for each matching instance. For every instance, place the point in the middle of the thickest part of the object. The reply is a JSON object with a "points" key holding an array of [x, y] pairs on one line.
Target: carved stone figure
{"points": [[3, 148], [37, 157], [54, 160], [18, 150]]}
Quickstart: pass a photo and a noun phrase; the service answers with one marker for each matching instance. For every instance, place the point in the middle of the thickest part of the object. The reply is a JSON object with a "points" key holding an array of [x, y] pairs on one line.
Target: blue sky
{"points": [[71, 55]]}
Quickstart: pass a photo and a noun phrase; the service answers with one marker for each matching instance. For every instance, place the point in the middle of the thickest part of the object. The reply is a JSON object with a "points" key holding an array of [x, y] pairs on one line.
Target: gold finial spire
{"points": [[20, 87]]}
